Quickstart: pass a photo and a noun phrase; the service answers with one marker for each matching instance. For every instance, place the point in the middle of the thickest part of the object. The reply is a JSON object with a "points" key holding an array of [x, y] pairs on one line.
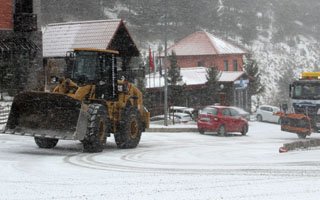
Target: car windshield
{"points": [[306, 91]]}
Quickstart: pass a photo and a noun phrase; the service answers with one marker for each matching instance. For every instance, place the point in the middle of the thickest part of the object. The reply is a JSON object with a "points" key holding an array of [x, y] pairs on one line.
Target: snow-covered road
{"points": [[164, 166]]}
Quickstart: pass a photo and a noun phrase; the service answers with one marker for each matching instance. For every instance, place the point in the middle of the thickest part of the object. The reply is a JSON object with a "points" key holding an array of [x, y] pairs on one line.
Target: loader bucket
{"points": [[43, 114], [296, 123]]}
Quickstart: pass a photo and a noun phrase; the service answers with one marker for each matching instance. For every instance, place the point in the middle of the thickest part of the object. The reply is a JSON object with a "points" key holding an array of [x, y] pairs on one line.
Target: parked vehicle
{"points": [[221, 119], [182, 117], [159, 119], [267, 113], [242, 112], [181, 109]]}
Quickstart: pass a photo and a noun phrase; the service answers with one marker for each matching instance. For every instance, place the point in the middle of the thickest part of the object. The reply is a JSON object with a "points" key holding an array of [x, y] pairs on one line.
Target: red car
{"points": [[221, 119]]}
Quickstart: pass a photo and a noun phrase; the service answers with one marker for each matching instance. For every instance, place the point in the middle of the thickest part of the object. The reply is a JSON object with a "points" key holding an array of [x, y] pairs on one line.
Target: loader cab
{"points": [[94, 67]]}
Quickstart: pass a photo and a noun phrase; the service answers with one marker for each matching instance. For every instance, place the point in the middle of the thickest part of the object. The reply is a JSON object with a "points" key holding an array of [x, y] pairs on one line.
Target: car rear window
{"points": [[234, 112], [226, 112], [212, 111]]}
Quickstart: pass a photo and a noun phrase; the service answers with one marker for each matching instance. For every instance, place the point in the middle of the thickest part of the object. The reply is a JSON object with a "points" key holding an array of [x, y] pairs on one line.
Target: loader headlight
{"points": [[102, 82], [120, 88]]}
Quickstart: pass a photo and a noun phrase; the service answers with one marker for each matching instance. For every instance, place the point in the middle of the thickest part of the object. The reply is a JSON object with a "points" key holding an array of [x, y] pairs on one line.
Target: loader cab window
{"points": [[104, 71], [85, 66]]}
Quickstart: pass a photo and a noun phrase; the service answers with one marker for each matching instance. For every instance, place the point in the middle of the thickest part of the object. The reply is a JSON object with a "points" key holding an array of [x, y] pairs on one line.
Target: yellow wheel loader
{"points": [[88, 105]]}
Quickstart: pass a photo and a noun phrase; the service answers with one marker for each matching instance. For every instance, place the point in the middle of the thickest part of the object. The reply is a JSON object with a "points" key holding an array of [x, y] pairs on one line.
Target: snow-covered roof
{"points": [[223, 47], [192, 76], [204, 43], [59, 38], [227, 76]]}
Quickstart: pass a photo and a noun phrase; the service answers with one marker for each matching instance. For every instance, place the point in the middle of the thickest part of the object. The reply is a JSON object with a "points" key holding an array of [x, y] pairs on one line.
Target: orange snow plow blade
{"points": [[295, 123]]}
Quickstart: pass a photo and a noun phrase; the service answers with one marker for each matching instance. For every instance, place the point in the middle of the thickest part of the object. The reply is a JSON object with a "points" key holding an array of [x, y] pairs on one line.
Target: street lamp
{"points": [[222, 95], [165, 68]]}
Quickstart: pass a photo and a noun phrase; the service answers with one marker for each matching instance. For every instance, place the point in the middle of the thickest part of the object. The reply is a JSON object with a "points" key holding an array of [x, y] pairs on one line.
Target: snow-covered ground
{"points": [[164, 166]]}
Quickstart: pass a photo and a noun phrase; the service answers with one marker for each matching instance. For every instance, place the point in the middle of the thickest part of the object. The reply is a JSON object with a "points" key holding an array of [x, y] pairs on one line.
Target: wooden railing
{"points": [[4, 112]]}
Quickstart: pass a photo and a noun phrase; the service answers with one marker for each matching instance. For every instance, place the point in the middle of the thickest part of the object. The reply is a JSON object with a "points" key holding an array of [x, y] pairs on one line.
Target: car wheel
{"points": [[259, 118], [244, 130], [222, 131], [201, 131]]}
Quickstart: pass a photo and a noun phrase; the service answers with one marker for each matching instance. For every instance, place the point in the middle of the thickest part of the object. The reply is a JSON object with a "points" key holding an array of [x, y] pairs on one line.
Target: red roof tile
{"points": [[203, 43]]}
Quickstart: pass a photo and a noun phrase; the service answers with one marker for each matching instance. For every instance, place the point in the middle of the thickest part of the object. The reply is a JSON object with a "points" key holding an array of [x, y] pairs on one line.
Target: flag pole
{"points": [[149, 69], [165, 67], [154, 71]]}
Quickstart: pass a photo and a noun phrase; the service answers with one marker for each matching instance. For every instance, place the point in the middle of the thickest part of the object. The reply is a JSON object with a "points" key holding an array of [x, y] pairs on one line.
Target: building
{"points": [[195, 54], [232, 89], [20, 46], [59, 38], [202, 49]]}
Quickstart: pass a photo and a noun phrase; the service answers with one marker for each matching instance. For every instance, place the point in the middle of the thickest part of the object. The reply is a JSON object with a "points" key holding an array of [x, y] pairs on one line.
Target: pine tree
{"points": [[252, 69], [255, 86], [175, 93], [212, 84], [174, 76], [288, 76]]}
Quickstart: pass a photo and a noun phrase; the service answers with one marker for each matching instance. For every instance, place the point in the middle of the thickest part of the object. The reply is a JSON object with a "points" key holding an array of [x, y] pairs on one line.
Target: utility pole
{"points": [[165, 66]]}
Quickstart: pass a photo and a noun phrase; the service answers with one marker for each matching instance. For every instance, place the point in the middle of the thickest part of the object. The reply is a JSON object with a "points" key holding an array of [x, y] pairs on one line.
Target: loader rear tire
{"points": [[130, 129], [96, 131], [46, 143]]}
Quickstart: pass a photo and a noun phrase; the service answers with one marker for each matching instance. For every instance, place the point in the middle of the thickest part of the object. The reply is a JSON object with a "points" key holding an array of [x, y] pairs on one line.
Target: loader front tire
{"points": [[130, 129], [46, 143], [96, 131]]}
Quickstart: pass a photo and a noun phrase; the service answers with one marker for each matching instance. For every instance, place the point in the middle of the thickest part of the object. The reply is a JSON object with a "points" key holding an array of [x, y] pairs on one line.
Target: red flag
{"points": [[151, 63]]}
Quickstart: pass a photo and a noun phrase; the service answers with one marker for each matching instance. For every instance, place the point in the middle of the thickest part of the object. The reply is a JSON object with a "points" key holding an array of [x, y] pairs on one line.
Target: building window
{"points": [[235, 65], [24, 6], [226, 65], [200, 64]]}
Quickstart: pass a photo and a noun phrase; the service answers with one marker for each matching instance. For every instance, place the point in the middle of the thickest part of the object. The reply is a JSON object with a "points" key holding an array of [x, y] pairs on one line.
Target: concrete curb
{"points": [[301, 144], [175, 130]]}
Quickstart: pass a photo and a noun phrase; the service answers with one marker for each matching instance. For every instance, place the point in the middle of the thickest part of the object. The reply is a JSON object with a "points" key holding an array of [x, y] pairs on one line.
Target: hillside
{"points": [[283, 36]]}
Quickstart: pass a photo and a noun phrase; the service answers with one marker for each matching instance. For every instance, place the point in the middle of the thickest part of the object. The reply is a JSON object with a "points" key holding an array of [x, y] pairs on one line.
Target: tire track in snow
{"points": [[131, 162]]}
